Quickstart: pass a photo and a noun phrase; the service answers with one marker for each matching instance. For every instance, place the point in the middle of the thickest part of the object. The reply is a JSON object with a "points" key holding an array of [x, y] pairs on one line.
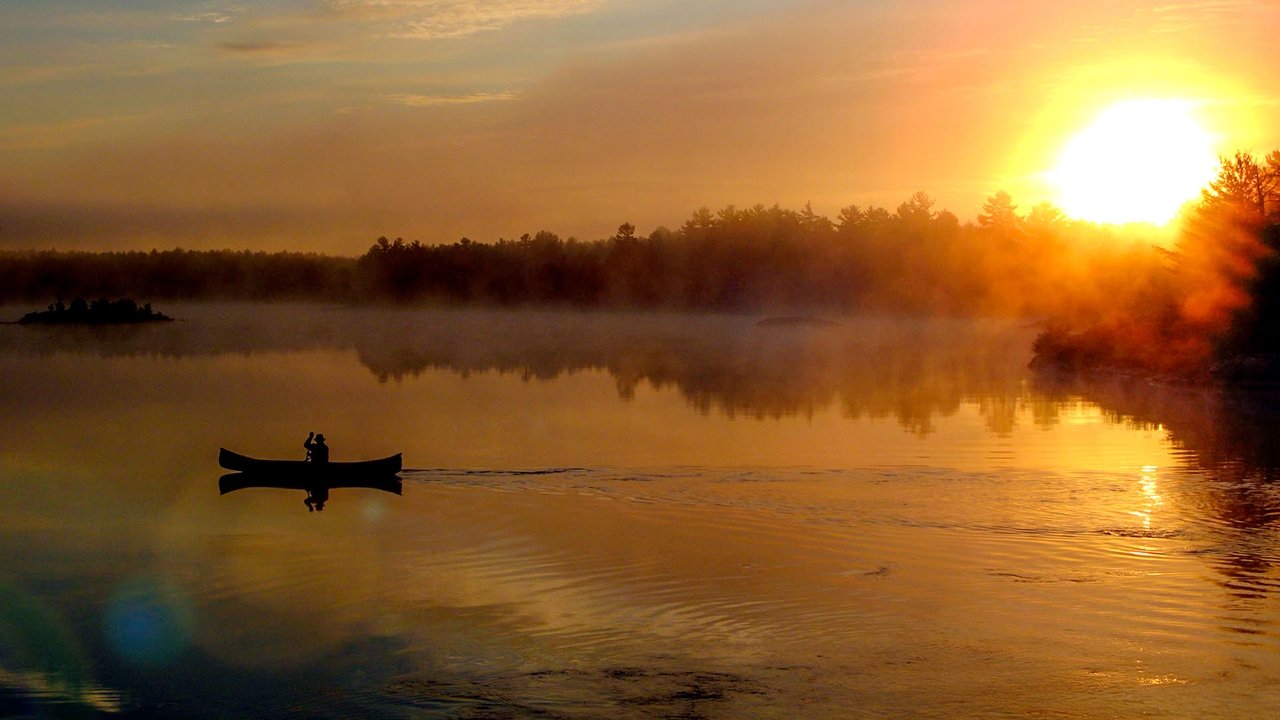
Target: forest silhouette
{"points": [[1116, 296], [914, 259]]}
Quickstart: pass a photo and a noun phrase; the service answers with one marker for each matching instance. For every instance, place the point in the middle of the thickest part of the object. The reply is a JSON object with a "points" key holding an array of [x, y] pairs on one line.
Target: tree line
{"points": [[914, 258], [46, 276]]}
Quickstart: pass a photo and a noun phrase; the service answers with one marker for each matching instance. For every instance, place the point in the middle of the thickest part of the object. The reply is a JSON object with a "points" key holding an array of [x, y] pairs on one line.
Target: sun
{"points": [[1139, 160]]}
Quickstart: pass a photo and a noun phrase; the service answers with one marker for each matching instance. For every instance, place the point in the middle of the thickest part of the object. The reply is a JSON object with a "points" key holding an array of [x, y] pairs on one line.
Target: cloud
{"points": [[438, 19], [23, 75], [33, 136], [217, 16], [421, 100], [258, 46]]}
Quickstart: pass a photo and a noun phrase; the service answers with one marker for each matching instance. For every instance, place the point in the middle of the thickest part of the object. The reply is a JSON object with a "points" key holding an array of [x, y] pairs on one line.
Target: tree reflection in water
{"points": [[1227, 438], [913, 370]]}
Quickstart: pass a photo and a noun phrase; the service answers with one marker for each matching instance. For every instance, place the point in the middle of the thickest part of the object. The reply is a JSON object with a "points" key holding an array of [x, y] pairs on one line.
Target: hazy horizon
{"points": [[319, 126]]}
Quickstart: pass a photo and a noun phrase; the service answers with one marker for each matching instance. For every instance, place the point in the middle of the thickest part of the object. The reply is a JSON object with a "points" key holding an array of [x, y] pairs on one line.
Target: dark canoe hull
{"points": [[240, 481], [329, 473]]}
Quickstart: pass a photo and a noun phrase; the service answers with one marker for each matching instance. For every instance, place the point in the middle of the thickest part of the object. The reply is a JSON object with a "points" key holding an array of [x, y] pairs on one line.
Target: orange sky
{"points": [[322, 124]]}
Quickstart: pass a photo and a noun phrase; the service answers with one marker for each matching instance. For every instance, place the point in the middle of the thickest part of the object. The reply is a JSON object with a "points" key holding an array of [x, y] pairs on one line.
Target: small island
{"points": [[99, 312]]}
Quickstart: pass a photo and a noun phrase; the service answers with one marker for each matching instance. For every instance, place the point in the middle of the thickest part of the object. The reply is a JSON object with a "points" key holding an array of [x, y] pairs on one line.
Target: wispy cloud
{"points": [[17, 75], [1234, 6], [421, 100], [1196, 16], [438, 19], [210, 17], [259, 46], [34, 136], [217, 15]]}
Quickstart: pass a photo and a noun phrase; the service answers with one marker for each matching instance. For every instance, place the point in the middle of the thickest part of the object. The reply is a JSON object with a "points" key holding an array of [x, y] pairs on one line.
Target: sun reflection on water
{"points": [[1152, 500]]}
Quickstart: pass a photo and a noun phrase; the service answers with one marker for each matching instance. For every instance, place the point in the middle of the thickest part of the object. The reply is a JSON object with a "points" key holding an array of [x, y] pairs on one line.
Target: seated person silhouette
{"points": [[317, 451]]}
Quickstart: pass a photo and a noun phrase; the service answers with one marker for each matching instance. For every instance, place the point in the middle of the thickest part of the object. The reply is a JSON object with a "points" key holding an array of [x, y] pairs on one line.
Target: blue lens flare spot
{"points": [[148, 623]]}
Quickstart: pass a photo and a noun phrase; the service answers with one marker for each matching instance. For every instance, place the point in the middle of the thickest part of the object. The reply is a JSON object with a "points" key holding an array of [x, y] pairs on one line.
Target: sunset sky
{"points": [[322, 124]]}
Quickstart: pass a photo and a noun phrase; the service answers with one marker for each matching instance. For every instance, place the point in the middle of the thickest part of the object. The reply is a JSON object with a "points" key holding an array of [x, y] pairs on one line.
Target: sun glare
{"points": [[1138, 161]]}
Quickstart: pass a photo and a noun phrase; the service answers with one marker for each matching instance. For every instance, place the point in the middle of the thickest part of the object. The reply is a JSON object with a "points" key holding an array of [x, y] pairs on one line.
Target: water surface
{"points": [[619, 515]]}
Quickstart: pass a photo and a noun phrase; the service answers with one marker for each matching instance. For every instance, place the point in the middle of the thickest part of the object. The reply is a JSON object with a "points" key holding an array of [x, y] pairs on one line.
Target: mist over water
{"points": [[626, 515]]}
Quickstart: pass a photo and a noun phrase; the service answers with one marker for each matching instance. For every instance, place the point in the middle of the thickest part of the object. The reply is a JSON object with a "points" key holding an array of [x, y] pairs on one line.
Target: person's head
{"points": [[320, 438]]}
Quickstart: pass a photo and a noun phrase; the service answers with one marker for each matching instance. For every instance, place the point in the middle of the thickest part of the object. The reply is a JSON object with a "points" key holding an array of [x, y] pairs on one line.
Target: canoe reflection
{"points": [[317, 491]]}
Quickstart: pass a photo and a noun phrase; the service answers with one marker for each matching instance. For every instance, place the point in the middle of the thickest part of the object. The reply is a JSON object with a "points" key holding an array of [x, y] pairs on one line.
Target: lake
{"points": [[626, 516]]}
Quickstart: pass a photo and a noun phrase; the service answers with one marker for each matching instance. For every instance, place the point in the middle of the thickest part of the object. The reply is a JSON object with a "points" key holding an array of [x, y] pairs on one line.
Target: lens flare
{"points": [[41, 662], [148, 623]]}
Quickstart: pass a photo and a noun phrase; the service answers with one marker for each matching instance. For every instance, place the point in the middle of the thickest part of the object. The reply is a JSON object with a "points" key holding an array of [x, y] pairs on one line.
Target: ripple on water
{"points": [[1000, 577]]}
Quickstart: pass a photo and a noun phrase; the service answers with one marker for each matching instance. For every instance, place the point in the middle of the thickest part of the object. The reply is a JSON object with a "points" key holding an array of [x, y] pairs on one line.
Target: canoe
{"points": [[240, 481], [329, 472]]}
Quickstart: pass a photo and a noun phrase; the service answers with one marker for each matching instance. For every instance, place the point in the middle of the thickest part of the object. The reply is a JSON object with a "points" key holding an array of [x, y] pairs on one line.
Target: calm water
{"points": [[625, 516]]}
